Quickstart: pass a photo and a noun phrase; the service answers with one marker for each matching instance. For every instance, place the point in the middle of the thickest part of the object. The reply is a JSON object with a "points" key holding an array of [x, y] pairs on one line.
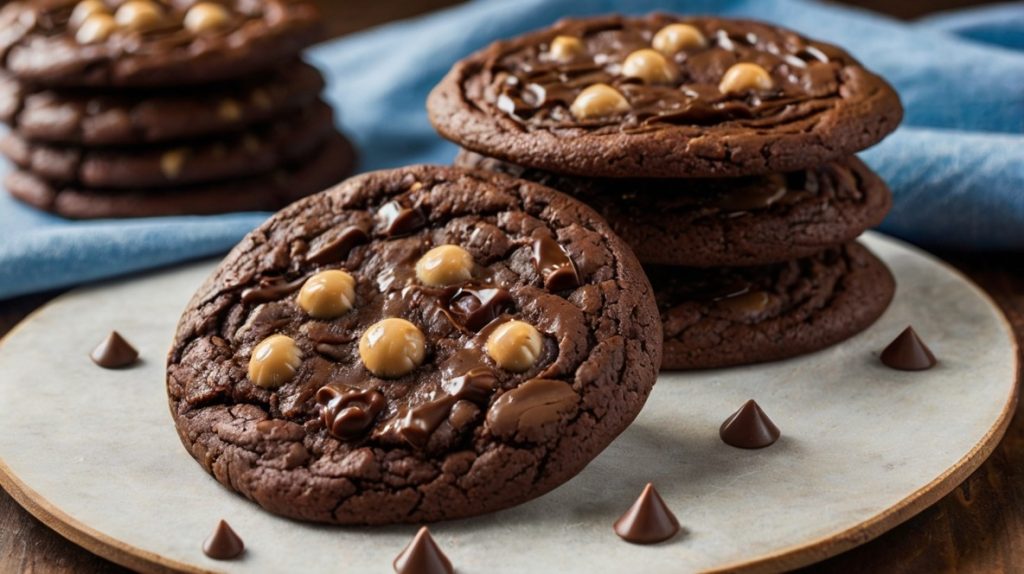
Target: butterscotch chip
{"points": [[172, 162], [392, 348], [565, 48], [229, 110], [274, 361], [205, 17], [743, 77], [139, 15], [84, 9], [675, 38], [95, 28], [649, 66], [515, 345], [445, 265], [599, 100], [328, 294]]}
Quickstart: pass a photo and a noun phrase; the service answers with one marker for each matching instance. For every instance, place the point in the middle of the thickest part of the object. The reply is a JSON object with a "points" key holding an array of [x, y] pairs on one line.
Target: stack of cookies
{"points": [[720, 150], [132, 108]]}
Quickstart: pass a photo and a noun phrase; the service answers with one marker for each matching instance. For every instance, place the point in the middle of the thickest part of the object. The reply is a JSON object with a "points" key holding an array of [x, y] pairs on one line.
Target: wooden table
{"points": [[979, 527]]}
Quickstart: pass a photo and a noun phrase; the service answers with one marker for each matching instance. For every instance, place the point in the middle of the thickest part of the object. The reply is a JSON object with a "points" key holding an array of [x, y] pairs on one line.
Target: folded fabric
{"points": [[955, 166]]}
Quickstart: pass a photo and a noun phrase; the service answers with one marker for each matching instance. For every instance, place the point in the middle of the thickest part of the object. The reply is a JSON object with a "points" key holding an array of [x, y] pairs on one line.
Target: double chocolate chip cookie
{"points": [[132, 108], [716, 149], [414, 345]]}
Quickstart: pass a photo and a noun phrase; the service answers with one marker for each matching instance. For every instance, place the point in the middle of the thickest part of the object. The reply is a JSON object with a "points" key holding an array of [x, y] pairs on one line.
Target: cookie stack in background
{"points": [[720, 150], [133, 108]]}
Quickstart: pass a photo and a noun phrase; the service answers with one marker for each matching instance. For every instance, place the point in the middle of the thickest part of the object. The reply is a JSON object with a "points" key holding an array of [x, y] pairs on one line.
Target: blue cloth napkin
{"points": [[956, 165]]}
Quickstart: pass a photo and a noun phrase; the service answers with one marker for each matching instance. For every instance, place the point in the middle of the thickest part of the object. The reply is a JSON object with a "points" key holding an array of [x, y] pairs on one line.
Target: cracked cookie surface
{"points": [[611, 97], [484, 339], [723, 317], [725, 222]]}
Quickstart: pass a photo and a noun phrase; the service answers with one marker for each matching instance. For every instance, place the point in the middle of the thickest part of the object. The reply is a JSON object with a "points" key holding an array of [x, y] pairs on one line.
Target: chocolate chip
{"points": [[337, 247], [418, 423], [422, 556], [223, 544], [475, 385], [554, 265], [271, 289], [908, 352], [114, 352], [648, 521], [473, 308], [348, 412], [749, 427], [398, 220], [529, 411]]}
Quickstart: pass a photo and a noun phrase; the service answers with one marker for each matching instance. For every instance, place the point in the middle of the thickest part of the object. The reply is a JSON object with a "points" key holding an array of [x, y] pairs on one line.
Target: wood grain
{"points": [[978, 528]]}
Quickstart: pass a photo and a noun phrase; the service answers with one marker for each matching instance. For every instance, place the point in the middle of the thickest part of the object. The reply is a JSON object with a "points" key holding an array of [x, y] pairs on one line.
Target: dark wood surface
{"points": [[977, 528]]}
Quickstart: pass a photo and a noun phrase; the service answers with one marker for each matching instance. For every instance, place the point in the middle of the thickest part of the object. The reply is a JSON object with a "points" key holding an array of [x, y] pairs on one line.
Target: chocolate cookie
{"points": [[663, 96], [735, 316], [414, 345], [726, 222], [94, 118], [256, 151], [136, 43], [326, 166]]}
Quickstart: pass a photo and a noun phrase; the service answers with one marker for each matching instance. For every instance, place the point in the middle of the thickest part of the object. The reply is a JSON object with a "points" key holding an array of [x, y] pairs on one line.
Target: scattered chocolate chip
{"points": [[474, 308], [114, 352], [648, 521], [399, 220], [338, 247], [348, 412], [271, 289], [749, 427], [223, 544], [908, 352], [554, 265], [422, 556]]}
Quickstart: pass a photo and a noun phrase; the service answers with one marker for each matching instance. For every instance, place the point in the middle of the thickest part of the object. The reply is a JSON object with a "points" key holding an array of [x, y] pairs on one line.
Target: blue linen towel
{"points": [[956, 165]]}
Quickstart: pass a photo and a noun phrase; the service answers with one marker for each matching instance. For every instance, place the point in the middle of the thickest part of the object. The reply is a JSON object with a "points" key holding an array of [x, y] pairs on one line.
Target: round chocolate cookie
{"points": [[724, 317], [414, 345], [259, 150], [730, 221], [663, 96], [332, 162], [103, 119], [135, 43]]}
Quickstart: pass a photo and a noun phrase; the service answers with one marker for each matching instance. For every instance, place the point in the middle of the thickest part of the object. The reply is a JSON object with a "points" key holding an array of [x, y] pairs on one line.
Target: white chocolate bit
{"points": [[206, 17], [514, 345], [274, 361], [565, 48], [445, 265], [743, 77], [649, 66], [328, 294], [172, 162], [675, 38], [599, 100], [139, 15], [392, 348], [84, 9], [95, 28]]}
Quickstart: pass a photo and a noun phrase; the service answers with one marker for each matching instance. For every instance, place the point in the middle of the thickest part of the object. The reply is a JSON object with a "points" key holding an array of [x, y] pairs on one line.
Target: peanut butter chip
{"points": [[139, 15], [743, 77], [84, 9], [392, 348], [95, 28], [599, 100], [327, 294], [649, 66], [565, 48], [675, 38], [445, 265], [205, 17], [274, 361], [515, 346], [172, 162], [229, 110]]}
